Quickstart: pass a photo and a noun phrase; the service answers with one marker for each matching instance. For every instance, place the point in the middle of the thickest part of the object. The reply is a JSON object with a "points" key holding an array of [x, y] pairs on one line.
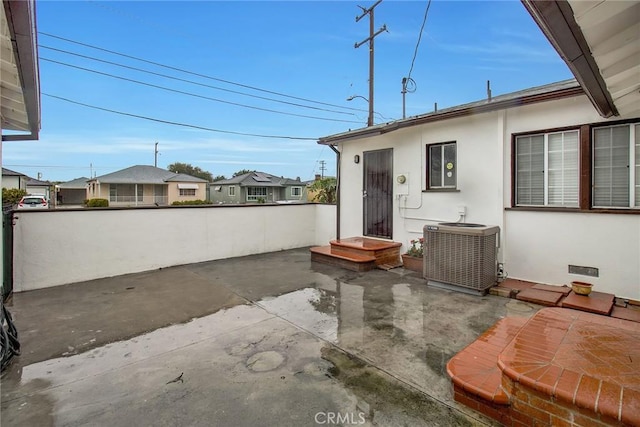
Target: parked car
{"points": [[33, 202]]}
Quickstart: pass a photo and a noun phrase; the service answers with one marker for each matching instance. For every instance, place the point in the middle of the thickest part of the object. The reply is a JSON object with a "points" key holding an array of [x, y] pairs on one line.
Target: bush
{"points": [[11, 196], [325, 190], [97, 203], [191, 202]]}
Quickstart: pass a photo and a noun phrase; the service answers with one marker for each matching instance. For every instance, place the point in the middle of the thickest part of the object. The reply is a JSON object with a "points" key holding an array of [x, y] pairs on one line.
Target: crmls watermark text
{"points": [[334, 418]]}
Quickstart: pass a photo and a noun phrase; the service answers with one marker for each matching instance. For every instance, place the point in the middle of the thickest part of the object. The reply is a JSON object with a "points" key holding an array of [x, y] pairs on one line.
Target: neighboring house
{"points": [[13, 179], [258, 187], [146, 186], [72, 192], [41, 188], [556, 167]]}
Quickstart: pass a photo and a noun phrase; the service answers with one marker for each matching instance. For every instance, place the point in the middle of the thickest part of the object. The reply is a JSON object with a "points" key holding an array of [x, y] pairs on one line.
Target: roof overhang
{"points": [[561, 90], [20, 79], [599, 41]]}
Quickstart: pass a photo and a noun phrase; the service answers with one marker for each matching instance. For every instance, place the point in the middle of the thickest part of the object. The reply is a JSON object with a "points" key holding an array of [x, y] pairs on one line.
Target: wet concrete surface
{"points": [[270, 339]]}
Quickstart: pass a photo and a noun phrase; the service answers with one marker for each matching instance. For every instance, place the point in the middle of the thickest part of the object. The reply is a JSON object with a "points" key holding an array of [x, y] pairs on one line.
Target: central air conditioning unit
{"points": [[461, 256]]}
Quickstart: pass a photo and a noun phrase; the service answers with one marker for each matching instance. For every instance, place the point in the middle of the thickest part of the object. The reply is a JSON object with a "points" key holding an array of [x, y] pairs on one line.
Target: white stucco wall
{"points": [[479, 178], [484, 184], [541, 245], [325, 223], [58, 247]]}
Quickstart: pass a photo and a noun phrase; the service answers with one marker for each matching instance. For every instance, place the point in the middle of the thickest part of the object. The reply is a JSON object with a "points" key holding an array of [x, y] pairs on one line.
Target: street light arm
{"points": [[352, 97]]}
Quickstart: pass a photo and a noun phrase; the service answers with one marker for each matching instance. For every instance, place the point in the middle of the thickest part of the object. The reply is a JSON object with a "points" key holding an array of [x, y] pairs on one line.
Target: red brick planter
{"points": [[412, 263]]}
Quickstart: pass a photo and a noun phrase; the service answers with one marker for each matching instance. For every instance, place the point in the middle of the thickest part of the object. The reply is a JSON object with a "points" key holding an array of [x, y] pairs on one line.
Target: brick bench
{"points": [[561, 367], [475, 368]]}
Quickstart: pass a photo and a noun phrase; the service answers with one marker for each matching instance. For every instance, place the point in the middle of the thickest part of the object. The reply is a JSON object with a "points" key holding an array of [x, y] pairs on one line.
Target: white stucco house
{"points": [[556, 167]]}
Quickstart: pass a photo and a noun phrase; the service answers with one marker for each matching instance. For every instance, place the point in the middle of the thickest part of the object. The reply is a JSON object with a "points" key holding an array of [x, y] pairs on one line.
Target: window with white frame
{"points": [[547, 169], [256, 193], [232, 190], [296, 191], [187, 191], [616, 166], [442, 164]]}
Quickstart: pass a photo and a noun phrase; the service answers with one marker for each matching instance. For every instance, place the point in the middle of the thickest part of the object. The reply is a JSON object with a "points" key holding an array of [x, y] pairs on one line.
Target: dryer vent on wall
{"points": [[461, 256]]}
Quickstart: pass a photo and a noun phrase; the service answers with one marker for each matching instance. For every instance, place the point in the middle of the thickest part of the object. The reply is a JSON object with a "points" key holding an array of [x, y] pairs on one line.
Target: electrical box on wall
{"points": [[402, 184]]}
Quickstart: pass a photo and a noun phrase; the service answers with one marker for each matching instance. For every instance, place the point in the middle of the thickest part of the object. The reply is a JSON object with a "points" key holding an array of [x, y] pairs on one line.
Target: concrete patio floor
{"points": [[268, 339]]}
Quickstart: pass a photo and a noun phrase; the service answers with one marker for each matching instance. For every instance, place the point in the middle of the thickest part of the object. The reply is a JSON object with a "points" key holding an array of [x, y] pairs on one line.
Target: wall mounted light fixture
{"points": [[356, 158]]}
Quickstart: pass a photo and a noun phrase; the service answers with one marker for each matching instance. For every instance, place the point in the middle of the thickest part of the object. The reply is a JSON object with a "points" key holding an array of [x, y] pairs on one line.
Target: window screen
{"points": [[442, 165], [611, 166], [547, 171]]}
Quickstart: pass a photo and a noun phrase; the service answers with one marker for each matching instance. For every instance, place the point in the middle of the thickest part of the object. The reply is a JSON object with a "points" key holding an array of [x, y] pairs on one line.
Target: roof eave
{"points": [[450, 114], [557, 22], [22, 26]]}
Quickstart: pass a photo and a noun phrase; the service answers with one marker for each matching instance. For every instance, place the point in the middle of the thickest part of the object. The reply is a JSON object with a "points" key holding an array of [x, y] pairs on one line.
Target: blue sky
{"points": [[301, 49]]}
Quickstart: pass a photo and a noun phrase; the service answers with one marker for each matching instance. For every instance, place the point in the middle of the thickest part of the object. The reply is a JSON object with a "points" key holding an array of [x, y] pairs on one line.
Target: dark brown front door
{"points": [[378, 193]]}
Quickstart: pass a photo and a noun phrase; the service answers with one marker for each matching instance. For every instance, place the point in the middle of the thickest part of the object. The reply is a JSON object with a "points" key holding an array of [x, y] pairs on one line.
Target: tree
{"points": [[219, 178], [242, 172], [325, 190], [188, 169]]}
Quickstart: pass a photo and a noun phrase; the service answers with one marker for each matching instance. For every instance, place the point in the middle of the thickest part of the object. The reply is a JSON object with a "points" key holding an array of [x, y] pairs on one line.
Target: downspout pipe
{"points": [[335, 150]]}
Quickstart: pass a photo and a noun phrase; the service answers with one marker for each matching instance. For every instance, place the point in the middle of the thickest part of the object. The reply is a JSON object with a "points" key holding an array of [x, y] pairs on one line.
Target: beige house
{"points": [[146, 186]]}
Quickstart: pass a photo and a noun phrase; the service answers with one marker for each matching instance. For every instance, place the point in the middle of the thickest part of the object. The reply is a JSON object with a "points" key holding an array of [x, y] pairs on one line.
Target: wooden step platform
{"points": [[359, 254]]}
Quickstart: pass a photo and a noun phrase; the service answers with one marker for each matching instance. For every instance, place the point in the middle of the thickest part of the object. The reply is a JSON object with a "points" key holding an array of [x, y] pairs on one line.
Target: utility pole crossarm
{"points": [[381, 30], [365, 11]]}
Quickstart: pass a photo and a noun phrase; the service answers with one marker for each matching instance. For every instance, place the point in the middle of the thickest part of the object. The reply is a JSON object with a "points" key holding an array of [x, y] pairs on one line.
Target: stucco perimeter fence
{"points": [[58, 247]]}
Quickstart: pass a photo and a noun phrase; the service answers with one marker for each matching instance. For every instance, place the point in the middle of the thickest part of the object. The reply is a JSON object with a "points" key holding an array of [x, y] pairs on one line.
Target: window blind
{"points": [[530, 170], [611, 166], [563, 169]]}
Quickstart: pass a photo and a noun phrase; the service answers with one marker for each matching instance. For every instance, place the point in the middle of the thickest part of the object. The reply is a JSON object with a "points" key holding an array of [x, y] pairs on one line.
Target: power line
{"points": [[196, 74], [178, 123], [191, 81], [317, 161], [195, 95], [415, 52], [408, 84]]}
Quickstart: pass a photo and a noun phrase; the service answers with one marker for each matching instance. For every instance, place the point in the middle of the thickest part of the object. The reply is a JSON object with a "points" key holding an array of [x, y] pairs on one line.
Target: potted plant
{"points": [[413, 258]]}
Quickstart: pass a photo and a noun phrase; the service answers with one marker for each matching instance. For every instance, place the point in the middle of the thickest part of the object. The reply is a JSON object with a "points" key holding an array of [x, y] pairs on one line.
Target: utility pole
{"points": [[155, 162], [322, 167], [408, 86], [369, 39]]}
